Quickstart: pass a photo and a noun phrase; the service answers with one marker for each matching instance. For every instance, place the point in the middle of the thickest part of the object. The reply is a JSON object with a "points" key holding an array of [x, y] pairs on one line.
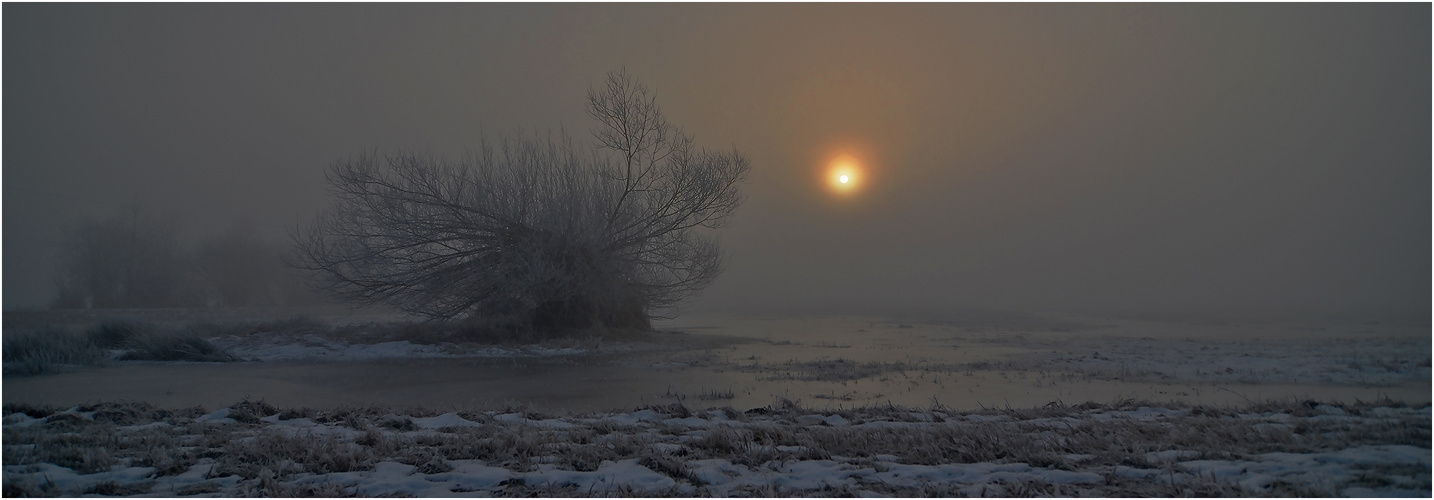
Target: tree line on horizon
{"points": [[134, 259]]}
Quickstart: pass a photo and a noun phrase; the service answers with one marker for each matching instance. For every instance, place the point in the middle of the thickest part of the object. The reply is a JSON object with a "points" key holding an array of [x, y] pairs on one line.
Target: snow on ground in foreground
{"points": [[253, 449]]}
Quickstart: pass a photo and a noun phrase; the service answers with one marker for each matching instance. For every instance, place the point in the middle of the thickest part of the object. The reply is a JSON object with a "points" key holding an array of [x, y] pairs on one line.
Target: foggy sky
{"points": [[1166, 157]]}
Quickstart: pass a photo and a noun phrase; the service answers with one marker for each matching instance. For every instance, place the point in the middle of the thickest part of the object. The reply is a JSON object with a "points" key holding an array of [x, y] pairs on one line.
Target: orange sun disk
{"points": [[844, 175]]}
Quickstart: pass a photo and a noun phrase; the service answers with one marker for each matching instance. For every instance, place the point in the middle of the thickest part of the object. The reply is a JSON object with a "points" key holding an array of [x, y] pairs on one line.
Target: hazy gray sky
{"points": [[1126, 156]]}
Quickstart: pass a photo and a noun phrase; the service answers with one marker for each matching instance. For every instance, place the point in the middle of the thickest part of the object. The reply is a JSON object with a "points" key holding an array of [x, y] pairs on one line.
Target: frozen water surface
{"points": [[743, 362]]}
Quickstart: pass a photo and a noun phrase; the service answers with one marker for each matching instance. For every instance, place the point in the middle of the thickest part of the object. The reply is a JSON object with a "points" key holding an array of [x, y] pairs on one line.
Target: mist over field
{"points": [[1235, 158], [717, 249]]}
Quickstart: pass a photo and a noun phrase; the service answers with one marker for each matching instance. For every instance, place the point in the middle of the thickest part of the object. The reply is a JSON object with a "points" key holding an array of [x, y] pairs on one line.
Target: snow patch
{"points": [[444, 421], [609, 476], [220, 416], [518, 418], [17, 419]]}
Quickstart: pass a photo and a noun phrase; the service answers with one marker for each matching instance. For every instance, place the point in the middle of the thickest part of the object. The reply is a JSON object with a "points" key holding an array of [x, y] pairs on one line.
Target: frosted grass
{"points": [[1126, 448]]}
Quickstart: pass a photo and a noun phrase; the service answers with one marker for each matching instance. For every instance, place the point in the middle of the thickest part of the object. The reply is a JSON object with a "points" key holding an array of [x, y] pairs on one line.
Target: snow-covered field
{"points": [[1003, 405], [1124, 449]]}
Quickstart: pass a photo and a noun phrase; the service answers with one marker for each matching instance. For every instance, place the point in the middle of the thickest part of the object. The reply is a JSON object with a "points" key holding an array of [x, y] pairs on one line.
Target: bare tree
{"points": [[130, 260], [535, 230]]}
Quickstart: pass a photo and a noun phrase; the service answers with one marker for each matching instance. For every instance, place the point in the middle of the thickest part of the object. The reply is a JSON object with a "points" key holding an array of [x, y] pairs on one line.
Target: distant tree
{"points": [[539, 231], [240, 268], [131, 260]]}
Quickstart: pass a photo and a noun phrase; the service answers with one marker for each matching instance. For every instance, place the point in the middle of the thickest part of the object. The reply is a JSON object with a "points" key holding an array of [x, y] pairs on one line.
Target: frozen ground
{"points": [[1014, 405], [1123, 449]]}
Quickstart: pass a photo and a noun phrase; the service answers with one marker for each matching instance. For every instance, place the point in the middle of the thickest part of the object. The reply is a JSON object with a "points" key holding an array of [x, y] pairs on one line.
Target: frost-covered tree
{"points": [[533, 230]]}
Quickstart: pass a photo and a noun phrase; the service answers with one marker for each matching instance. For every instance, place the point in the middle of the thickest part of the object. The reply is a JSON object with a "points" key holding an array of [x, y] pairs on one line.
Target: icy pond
{"points": [[746, 361]]}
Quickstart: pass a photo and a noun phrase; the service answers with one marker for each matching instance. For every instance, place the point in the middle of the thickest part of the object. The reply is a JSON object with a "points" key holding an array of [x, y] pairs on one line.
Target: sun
{"points": [[844, 175]]}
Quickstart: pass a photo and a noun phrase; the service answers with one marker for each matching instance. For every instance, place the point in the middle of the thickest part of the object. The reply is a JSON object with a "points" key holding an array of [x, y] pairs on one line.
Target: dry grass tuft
{"points": [[825, 370], [43, 350], [714, 394], [174, 346], [249, 411], [278, 455]]}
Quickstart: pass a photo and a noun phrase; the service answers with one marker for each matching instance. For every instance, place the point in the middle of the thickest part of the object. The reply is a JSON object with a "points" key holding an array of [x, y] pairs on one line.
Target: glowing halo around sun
{"points": [[844, 175]]}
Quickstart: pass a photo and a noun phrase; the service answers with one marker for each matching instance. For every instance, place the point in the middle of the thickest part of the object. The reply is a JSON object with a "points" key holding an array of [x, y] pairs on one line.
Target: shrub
{"points": [[297, 325], [38, 351], [174, 346], [118, 334], [539, 232]]}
